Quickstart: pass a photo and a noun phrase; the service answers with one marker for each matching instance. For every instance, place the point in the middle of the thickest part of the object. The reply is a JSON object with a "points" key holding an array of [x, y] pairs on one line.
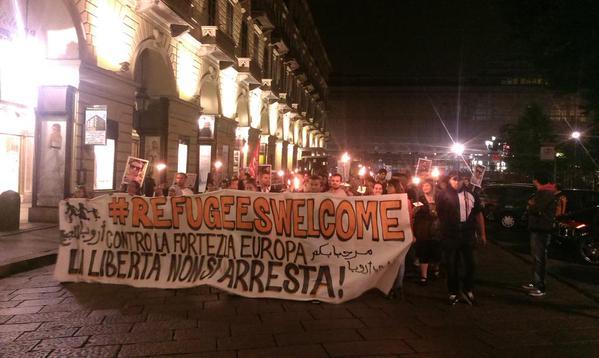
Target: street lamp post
{"points": [[345, 160], [457, 149], [218, 165], [576, 136]]}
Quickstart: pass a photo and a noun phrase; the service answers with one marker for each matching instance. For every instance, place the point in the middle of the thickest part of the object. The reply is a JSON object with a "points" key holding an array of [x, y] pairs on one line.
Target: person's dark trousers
{"points": [[538, 249], [456, 250]]}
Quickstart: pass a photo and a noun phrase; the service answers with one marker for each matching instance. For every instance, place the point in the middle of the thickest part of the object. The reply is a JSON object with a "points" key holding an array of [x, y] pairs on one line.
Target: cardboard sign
{"points": [[424, 167], [477, 175], [135, 169], [292, 246]]}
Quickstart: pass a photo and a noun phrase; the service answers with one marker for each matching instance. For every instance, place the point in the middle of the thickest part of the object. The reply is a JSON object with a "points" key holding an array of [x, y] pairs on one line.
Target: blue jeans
{"points": [[538, 249]]}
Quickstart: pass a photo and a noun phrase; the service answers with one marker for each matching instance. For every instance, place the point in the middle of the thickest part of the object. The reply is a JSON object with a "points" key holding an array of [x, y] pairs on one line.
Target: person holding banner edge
{"points": [[460, 216]]}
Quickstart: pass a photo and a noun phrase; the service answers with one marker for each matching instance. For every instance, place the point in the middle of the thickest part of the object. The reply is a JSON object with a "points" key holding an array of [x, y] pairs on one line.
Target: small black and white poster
{"points": [[95, 125]]}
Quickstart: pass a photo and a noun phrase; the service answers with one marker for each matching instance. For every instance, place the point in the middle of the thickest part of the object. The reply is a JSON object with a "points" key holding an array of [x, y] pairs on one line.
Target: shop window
{"points": [[204, 166], [104, 156], [182, 157]]}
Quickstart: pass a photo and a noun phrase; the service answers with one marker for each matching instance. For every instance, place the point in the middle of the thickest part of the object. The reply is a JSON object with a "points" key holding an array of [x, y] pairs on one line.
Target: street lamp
{"points": [[457, 148], [345, 158], [575, 135]]}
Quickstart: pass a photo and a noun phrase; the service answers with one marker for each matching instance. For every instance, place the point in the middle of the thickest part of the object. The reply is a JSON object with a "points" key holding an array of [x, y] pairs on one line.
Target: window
{"points": [[182, 157], [212, 12], [267, 63], [104, 165], [256, 47], [244, 39], [229, 28]]}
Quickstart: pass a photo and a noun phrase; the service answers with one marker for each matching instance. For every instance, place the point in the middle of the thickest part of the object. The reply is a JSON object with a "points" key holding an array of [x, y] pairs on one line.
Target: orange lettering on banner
{"points": [[158, 213], [390, 223], [345, 208], [194, 222], [140, 212], [326, 208], [312, 232], [281, 215], [297, 218], [367, 218], [177, 209], [241, 209], [262, 223], [212, 213], [225, 206]]}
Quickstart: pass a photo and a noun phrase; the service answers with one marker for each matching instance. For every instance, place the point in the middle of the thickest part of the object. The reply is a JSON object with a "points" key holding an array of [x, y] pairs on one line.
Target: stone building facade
{"points": [[252, 74]]}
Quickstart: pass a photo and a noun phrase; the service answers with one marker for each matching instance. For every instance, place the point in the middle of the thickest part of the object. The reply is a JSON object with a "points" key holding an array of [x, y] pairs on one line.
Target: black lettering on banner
{"points": [[291, 284], [257, 269], [242, 269], [229, 274], [134, 266], [120, 259], [306, 275], [75, 261], [90, 271], [324, 273], [272, 276]]}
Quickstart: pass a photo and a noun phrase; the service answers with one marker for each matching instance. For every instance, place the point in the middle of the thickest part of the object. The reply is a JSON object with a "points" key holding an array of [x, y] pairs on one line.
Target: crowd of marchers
{"points": [[446, 217]]}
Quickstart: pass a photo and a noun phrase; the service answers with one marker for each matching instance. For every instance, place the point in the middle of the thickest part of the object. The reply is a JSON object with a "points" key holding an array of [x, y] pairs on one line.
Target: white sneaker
{"points": [[529, 286], [537, 293]]}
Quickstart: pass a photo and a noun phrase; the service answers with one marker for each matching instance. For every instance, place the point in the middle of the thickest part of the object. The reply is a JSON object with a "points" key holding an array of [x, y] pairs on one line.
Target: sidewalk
{"points": [[32, 246]]}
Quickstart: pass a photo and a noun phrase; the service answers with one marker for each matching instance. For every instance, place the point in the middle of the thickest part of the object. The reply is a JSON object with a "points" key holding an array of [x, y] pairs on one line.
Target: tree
{"points": [[525, 138]]}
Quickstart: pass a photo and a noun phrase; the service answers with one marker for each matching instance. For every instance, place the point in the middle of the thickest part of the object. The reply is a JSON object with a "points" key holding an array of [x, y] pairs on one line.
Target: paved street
{"points": [[42, 318], [563, 261]]}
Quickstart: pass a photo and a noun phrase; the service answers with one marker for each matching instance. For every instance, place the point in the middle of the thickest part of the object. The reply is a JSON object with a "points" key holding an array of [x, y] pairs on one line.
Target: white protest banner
{"points": [[291, 245]]}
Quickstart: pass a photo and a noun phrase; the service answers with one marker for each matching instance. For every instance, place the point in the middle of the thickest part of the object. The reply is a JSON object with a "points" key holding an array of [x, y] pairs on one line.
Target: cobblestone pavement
{"points": [[40, 317]]}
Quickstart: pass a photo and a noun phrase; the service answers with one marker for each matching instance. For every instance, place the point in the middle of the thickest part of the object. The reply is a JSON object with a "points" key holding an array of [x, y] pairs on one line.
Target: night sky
{"points": [[416, 39]]}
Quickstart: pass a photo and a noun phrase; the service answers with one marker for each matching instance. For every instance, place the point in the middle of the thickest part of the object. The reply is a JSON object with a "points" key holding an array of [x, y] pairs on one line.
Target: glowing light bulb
{"points": [[458, 148]]}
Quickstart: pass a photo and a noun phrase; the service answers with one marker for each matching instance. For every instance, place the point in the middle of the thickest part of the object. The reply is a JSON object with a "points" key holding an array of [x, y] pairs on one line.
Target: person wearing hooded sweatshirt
{"points": [[541, 214], [460, 216]]}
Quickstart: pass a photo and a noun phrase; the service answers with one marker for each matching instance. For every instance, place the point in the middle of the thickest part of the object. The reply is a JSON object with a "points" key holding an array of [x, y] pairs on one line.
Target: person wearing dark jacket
{"points": [[541, 214], [460, 216]]}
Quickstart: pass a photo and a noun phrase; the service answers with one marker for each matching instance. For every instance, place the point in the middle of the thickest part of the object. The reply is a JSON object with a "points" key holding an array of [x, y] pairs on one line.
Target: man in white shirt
{"points": [[460, 217]]}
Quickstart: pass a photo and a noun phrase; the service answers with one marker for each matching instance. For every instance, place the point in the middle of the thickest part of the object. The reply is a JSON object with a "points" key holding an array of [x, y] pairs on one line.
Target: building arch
{"points": [[153, 72]]}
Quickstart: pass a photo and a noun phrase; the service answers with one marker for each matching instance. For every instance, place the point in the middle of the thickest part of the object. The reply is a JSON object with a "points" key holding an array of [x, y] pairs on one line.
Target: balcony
{"points": [[217, 44], [179, 12], [248, 71]]}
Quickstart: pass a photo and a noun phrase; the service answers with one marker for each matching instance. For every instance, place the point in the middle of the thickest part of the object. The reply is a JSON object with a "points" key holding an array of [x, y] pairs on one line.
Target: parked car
{"points": [[506, 203], [578, 229]]}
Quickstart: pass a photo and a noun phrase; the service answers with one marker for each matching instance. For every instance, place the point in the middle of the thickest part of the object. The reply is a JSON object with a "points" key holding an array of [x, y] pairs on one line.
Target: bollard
{"points": [[10, 210]]}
